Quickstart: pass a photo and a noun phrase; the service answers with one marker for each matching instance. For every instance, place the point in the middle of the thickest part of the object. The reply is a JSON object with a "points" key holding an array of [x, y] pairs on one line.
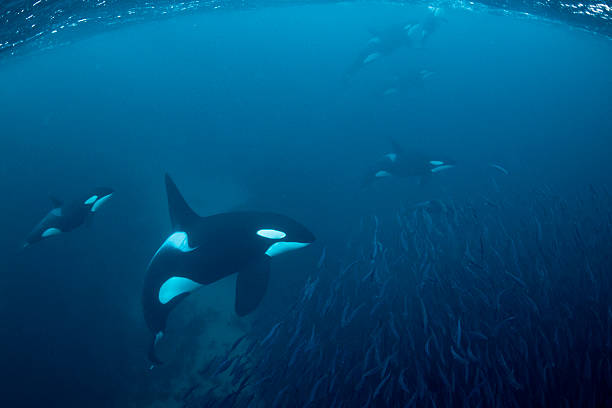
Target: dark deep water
{"points": [[496, 291]]}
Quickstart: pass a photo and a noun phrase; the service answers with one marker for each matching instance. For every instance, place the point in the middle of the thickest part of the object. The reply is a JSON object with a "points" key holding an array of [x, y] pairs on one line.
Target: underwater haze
{"points": [[451, 159]]}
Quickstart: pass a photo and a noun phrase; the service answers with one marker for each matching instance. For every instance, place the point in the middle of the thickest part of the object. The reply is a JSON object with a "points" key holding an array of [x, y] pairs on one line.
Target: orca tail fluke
{"points": [[152, 354]]}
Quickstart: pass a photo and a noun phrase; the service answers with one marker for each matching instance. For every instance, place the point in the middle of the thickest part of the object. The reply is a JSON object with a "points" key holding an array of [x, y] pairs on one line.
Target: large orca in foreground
{"points": [[203, 250], [65, 217], [401, 163]]}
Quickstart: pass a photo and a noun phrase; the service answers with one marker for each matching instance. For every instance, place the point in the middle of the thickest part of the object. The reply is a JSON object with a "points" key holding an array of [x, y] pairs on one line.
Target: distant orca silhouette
{"points": [[382, 43], [386, 42], [400, 163], [68, 216], [203, 250]]}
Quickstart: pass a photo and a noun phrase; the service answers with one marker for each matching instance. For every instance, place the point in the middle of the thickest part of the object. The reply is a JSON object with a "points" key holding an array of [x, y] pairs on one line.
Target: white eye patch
{"points": [[101, 201], [271, 234], [91, 200], [436, 163]]}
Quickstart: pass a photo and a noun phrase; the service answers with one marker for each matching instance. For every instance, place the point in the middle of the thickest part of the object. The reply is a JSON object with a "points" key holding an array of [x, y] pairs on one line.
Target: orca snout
{"points": [[299, 233], [308, 237], [296, 231]]}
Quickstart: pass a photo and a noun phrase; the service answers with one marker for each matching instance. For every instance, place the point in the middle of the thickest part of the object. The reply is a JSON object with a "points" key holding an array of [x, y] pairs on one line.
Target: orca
{"points": [[400, 163], [65, 217], [387, 41], [431, 23], [203, 250], [382, 43]]}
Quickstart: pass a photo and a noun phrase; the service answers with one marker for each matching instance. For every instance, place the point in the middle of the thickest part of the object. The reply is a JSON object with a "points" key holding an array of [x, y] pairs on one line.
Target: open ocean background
{"points": [[479, 288]]}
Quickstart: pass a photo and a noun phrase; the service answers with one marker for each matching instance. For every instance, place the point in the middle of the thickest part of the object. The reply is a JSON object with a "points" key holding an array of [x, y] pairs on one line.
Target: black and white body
{"points": [[386, 42], [400, 163], [203, 250], [432, 21], [382, 43], [65, 217]]}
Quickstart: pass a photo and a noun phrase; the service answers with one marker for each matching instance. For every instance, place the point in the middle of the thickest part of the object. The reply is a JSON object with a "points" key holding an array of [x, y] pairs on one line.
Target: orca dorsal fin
{"points": [[397, 148], [56, 202], [181, 215]]}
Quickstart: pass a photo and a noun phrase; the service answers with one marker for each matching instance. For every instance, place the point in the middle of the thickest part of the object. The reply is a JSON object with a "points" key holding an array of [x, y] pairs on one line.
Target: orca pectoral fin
{"points": [[152, 354], [251, 286]]}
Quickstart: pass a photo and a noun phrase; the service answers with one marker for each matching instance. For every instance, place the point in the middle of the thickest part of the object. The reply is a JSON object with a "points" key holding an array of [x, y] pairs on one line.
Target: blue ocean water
{"points": [[486, 284]]}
